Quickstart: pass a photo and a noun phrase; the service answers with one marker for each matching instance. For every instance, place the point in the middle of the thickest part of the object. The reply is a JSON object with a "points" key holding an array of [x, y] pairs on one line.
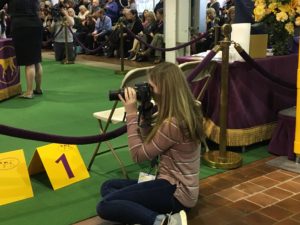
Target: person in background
{"points": [[175, 139], [215, 5], [94, 7], [83, 12], [230, 15], [159, 5], [143, 17], [47, 21], [207, 42], [2, 23], [27, 31], [131, 4], [244, 11], [112, 10], [86, 3], [157, 41], [146, 34], [102, 30], [58, 26], [134, 24], [224, 11]]}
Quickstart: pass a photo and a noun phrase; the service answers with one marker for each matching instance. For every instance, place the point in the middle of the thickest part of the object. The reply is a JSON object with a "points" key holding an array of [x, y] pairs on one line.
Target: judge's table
{"points": [[253, 100], [9, 71]]}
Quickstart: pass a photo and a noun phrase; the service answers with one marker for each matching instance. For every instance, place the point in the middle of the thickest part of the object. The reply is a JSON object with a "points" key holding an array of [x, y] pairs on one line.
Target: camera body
{"points": [[56, 10], [143, 92]]}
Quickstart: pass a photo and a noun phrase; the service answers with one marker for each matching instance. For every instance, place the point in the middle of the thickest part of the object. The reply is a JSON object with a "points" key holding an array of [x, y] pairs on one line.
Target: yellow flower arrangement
{"points": [[281, 17]]}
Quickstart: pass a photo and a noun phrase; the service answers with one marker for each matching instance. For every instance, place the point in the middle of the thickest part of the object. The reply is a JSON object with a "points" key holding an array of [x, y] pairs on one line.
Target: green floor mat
{"points": [[71, 94]]}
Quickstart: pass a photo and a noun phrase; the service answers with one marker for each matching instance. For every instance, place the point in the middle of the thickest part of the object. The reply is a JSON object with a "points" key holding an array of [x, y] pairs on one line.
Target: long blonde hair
{"points": [[176, 101]]}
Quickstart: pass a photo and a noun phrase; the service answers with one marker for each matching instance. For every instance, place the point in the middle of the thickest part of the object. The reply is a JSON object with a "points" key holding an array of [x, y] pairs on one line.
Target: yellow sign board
{"points": [[62, 163], [14, 178]]}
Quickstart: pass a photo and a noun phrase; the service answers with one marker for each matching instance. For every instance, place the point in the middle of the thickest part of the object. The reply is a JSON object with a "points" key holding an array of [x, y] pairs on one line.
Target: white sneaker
{"points": [[177, 218]]}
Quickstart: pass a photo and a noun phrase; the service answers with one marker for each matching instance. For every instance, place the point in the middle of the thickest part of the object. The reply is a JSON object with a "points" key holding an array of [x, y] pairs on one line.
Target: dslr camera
{"points": [[143, 92], [56, 10]]}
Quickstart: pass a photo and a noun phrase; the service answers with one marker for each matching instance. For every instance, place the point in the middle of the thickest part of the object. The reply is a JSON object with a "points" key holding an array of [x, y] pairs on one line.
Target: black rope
{"points": [[166, 49], [201, 65], [32, 135], [57, 33], [82, 45], [262, 71]]}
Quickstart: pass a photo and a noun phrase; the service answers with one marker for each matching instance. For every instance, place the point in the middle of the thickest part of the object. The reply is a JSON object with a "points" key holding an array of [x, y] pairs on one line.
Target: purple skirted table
{"points": [[282, 142], [9, 71], [253, 100]]}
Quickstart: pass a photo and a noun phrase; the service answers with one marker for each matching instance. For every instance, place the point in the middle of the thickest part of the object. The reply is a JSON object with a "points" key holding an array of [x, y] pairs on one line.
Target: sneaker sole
{"points": [[183, 217]]}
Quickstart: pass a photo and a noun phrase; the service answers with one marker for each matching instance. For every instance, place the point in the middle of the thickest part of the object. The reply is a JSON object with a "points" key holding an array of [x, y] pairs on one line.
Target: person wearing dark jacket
{"points": [[26, 32], [159, 5]]}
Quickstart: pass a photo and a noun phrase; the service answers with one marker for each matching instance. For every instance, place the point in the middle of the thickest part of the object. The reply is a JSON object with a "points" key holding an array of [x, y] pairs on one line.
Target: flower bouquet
{"points": [[281, 18]]}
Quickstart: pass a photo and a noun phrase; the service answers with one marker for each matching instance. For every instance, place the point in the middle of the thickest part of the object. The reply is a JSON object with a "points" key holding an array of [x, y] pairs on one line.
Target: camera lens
{"points": [[113, 94]]}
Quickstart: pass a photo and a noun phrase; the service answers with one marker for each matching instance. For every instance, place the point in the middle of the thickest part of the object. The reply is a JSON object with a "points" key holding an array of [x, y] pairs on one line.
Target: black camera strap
{"points": [[145, 111], [58, 32]]}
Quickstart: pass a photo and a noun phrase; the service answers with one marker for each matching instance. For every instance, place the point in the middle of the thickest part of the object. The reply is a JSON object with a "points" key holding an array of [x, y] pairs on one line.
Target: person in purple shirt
{"points": [[112, 10]]}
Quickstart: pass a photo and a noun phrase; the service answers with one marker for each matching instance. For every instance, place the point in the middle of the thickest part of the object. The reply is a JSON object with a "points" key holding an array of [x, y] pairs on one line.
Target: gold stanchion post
{"points": [[221, 158], [122, 71], [297, 132]]}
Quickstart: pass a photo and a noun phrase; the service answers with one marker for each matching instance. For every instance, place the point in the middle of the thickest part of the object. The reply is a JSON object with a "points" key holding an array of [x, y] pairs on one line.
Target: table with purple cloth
{"points": [[9, 71], [253, 100], [283, 137]]}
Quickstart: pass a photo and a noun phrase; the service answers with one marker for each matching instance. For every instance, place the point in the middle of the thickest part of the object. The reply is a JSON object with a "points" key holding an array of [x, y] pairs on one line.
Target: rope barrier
{"points": [[261, 70], [166, 49], [32, 135], [141, 40], [57, 33], [202, 64], [82, 45], [26, 134], [37, 136]]}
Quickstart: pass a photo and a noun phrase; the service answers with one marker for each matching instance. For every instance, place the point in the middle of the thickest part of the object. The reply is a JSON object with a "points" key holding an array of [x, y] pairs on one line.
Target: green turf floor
{"points": [[71, 94]]}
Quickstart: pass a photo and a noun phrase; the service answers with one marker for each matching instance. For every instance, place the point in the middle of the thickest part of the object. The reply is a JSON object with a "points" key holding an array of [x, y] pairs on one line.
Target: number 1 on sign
{"points": [[62, 163], [65, 163]]}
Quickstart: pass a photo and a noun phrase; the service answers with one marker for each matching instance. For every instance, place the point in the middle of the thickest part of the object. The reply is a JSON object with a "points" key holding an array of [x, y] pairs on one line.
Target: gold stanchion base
{"points": [[121, 72], [231, 160]]}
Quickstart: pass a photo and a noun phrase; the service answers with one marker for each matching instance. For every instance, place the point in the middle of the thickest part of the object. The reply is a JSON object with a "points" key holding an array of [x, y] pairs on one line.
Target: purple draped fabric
{"points": [[253, 100], [282, 142]]}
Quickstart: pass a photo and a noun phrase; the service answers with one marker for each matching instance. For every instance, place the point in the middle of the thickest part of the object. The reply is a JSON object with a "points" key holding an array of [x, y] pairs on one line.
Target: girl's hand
{"points": [[129, 101]]}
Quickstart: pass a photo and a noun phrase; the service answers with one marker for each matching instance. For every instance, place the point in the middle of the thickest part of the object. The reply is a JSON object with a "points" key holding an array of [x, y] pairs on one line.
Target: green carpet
{"points": [[71, 94]]}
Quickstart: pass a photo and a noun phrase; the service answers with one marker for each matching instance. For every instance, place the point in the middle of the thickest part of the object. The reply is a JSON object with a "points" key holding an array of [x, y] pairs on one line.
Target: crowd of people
{"points": [[215, 16], [93, 27]]}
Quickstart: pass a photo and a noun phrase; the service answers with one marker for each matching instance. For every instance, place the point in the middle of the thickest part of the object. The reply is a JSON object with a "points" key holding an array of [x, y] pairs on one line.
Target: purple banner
{"points": [[9, 71]]}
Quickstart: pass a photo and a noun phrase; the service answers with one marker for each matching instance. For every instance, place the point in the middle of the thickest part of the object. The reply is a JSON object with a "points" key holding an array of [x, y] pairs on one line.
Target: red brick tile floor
{"points": [[253, 194]]}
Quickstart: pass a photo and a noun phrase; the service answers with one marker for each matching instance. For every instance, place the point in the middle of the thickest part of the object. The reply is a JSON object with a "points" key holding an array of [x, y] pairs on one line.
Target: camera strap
{"points": [[145, 111], [58, 32]]}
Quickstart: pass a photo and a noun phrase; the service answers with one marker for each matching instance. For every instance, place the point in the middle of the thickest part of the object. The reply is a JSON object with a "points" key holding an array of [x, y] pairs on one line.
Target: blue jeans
{"points": [[129, 202]]}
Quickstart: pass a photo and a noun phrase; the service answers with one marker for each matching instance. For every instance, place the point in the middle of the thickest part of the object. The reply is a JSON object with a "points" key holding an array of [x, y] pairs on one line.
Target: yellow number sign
{"points": [[14, 178], [62, 163]]}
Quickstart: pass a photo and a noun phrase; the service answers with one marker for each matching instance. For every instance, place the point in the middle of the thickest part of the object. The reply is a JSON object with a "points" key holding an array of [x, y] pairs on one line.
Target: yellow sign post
{"points": [[297, 132], [62, 163], [14, 178]]}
